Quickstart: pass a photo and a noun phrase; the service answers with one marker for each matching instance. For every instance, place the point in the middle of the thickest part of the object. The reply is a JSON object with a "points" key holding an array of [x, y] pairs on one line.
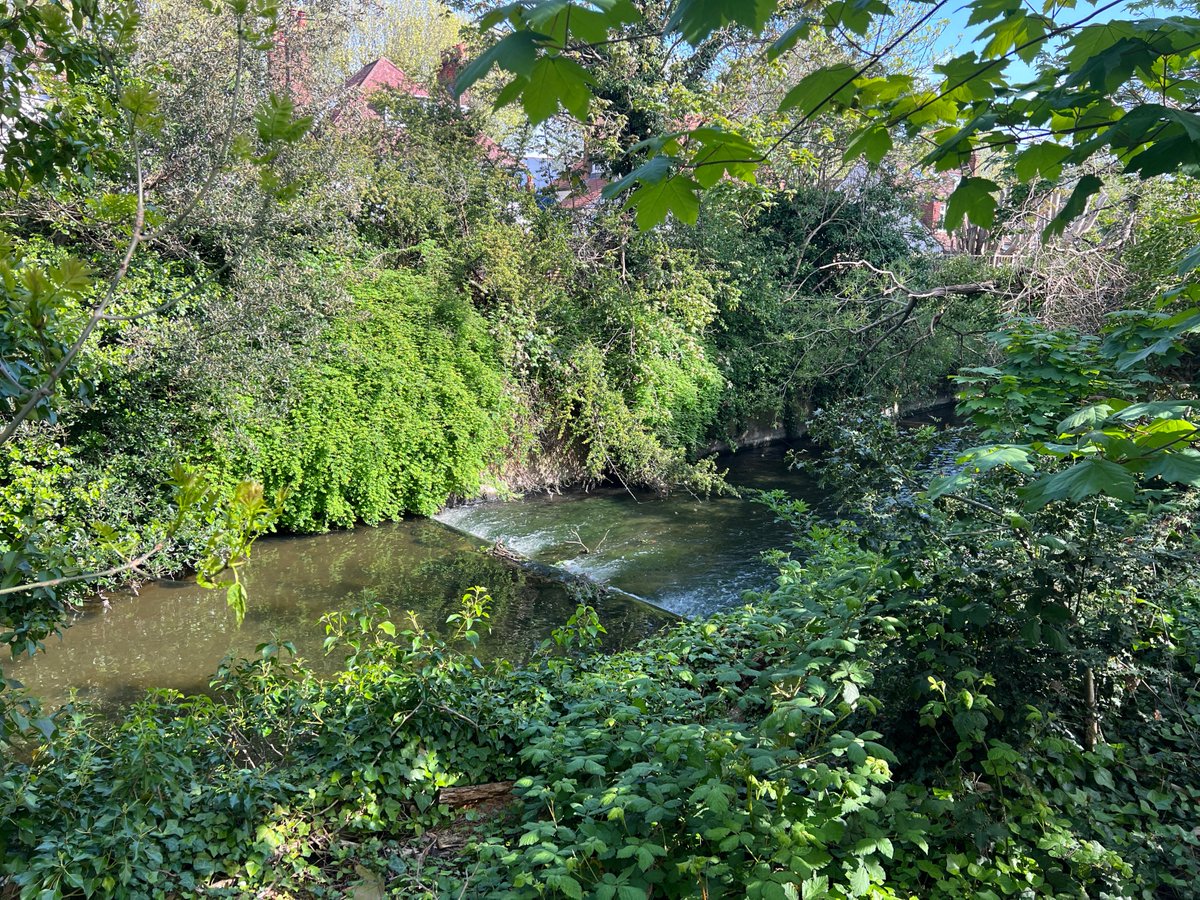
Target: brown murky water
{"points": [[174, 634], [686, 556]]}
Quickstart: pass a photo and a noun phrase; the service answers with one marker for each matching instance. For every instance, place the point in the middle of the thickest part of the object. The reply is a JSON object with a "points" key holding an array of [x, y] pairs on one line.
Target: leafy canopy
{"points": [[1122, 88]]}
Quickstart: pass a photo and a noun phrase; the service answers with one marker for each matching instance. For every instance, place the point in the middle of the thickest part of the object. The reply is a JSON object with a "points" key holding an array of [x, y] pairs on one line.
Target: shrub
{"points": [[401, 409]]}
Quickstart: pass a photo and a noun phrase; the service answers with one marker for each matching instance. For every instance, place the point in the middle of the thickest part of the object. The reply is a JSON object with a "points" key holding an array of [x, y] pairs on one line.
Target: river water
{"points": [[668, 556]]}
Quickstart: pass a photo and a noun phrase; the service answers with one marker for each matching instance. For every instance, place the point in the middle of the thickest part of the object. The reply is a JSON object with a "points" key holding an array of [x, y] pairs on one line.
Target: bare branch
{"points": [[132, 565]]}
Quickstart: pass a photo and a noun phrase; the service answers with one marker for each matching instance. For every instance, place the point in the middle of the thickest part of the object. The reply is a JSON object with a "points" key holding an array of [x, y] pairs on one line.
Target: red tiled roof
{"points": [[493, 152], [588, 196], [583, 188], [383, 73]]}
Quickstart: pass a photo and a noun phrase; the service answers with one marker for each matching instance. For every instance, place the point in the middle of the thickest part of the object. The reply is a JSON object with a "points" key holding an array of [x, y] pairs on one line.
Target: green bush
{"points": [[842, 736], [402, 408]]}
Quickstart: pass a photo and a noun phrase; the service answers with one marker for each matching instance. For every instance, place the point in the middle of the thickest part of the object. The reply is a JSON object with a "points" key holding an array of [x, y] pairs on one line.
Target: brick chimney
{"points": [[453, 59], [287, 60]]}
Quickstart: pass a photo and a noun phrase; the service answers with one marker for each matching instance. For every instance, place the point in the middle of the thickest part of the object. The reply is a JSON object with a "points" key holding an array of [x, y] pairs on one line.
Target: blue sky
{"points": [[958, 37]]}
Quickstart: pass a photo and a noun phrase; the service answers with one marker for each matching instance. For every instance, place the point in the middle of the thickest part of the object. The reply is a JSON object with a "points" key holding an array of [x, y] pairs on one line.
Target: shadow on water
{"points": [[685, 555]]}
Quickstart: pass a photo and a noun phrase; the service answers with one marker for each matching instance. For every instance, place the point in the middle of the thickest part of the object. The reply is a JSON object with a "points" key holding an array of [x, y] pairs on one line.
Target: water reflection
{"points": [[686, 555], [174, 634]]}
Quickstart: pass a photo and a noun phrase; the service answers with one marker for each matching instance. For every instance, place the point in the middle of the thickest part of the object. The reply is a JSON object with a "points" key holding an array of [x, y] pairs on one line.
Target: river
{"points": [[668, 556]]}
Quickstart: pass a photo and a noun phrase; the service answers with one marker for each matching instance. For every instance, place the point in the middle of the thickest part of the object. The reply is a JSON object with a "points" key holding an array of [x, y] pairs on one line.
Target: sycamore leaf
{"points": [[790, 38], [1088, 417], [884, 89], [723, 152], [516, 53], [650, 172], [982, 459], [946, 484], [977, 461], [832, 84], [1156, 409], [560, 19], [1179, 467], [971, 78], [510, 92], [975, 198], [1185, 323], [874, 142], [677, 195], [1043, 160], [1016, 30], [854, 15], [509, 11], [1086, 478], [556, 81], [1164, 433], [697, 19]]}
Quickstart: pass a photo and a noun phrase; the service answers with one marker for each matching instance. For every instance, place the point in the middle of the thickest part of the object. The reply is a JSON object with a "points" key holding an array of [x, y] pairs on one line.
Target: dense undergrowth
{"points": [[980, 681], [964, 688], [436, 329], [901, 716]]}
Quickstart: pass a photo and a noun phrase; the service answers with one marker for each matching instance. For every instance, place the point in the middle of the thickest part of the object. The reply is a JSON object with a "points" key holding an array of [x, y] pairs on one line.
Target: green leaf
{"points": [[235, 597], [1156, 409], [516, 53], [853, 15], [1178, 466], [560, 19], [1087, 478], [651, 172], [832, 84], [974, 198], [859, 881], [1043, 160], [556, 81], [697, 19], [1179, 325], [1087, 418], [276, 121], [1075, 205], [677, 195], [874, 142], [790, 38], [971, 78], [1189, 262], [983, 459], [723, 152]]}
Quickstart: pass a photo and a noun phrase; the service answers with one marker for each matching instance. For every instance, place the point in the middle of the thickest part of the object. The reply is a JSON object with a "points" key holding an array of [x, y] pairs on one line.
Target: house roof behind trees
{"points": [[383, 73]]}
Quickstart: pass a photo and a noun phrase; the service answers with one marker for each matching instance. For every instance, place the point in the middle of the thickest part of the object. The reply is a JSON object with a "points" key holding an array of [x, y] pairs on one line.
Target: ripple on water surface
{"points": [[684, 554]]}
